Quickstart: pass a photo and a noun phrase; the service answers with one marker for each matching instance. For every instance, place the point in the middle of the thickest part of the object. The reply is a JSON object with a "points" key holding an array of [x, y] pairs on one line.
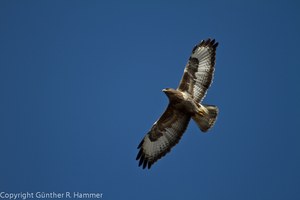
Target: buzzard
{"points": [[184, 104]]}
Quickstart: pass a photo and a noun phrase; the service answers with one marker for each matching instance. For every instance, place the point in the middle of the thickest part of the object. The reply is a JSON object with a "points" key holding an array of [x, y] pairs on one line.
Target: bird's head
{"points": [[168, 91]]}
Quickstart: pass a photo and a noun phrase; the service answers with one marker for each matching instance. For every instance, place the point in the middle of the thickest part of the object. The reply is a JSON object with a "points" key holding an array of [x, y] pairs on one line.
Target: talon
{"points": [[201, 112]]}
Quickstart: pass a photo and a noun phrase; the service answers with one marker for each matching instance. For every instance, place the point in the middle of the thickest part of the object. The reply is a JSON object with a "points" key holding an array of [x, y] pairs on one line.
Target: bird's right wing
{"points": [[164, 134]]}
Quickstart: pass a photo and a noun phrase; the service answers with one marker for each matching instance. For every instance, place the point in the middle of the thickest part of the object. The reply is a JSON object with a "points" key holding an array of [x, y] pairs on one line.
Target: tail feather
{"points": [[207, 120]]}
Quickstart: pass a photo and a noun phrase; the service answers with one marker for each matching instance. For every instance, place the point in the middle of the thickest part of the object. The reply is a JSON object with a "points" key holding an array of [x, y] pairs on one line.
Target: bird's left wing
{"points": [[198, 73], [164, 134]]}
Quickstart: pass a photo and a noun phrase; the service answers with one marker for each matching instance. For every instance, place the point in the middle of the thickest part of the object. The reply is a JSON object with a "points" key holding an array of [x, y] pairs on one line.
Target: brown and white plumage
{"points": [[184, 104], [199, 71]]}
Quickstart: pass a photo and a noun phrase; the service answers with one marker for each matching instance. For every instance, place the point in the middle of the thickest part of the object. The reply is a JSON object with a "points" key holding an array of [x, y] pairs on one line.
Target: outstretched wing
{"points": [[198, 72], [164, 134]]}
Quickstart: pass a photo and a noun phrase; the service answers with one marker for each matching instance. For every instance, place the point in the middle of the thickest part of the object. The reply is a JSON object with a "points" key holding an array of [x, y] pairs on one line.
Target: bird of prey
{"points": [[184, 104]]}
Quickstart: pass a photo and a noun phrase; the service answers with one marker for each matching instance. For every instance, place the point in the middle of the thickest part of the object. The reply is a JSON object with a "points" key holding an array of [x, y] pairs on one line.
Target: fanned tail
{"points": [[206, 118]]}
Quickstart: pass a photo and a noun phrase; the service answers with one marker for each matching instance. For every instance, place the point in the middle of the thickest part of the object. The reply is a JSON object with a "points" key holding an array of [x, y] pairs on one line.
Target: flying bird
{"points": [[184, 104]]}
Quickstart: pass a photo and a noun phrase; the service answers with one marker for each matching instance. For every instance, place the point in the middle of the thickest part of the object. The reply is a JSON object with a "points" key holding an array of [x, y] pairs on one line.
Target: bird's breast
{"points": [[186, 106]]}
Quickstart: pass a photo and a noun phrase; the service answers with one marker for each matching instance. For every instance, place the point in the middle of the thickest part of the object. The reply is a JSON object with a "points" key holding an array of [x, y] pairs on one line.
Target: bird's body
{"points": [[182, 101], [184, 104]]}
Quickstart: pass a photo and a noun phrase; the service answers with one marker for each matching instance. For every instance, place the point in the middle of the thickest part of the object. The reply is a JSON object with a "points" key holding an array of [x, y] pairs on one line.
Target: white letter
{"points": [[68, 195]]}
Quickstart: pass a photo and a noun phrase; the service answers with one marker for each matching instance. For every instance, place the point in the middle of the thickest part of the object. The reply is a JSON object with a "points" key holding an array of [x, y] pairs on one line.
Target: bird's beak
{"points": [[164, 90]]}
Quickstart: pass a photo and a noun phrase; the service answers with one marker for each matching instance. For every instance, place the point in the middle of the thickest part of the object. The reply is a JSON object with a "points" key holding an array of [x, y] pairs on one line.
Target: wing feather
{"points": [[164, 134], [198, 73]]}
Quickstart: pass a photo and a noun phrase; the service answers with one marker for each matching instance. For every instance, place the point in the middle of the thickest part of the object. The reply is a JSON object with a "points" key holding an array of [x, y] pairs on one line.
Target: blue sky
{"points": [[81, 84]]}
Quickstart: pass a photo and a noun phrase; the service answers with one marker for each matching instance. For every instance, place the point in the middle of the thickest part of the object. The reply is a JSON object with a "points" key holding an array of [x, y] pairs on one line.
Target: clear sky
{"points": [[81, 83]]}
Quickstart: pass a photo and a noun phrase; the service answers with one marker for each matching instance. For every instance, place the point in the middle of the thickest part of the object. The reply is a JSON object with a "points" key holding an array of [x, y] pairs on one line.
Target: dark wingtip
{"points": [[139, 154], [216, 45], [140, 145], [195, 47], [149, 165], [141, 160], [145, 163], [208, 41]]}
